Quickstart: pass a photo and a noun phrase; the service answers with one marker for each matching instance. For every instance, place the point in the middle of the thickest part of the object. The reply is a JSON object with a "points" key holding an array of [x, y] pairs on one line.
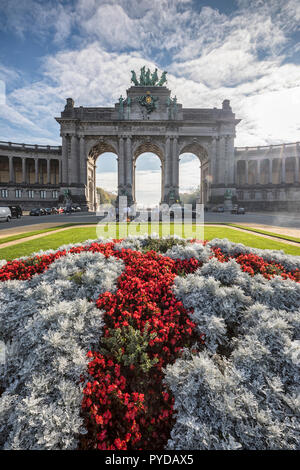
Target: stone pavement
{"points": [[290, 232]]}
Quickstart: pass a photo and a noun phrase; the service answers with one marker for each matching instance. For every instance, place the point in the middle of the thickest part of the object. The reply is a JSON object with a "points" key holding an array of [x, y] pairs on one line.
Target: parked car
{"points": [[36, 211], [54, 210], [5, 214], [60, 210], [16, 211], [48, 210], [220, 209], [234, 209], [215, 209], [241, 210]]}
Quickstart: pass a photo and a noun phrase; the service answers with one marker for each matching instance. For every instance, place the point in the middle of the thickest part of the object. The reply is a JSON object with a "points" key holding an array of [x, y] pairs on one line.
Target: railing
{"points": [[262, 147], [29, 146]]}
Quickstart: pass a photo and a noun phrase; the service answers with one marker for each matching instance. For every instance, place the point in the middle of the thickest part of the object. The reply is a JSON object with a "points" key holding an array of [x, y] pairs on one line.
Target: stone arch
{"points": [[147, 146], [196, 148], [200, 150], [94, 150], [102, 146], [144, 146]]}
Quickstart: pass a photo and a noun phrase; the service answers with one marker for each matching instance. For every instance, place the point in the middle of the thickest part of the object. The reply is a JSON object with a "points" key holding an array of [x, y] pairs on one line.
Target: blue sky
{"points": [[245, 50]]}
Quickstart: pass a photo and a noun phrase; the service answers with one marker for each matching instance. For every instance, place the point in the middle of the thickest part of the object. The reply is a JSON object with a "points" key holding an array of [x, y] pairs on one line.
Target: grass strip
{"points": [[20, 236], [80, 234]]}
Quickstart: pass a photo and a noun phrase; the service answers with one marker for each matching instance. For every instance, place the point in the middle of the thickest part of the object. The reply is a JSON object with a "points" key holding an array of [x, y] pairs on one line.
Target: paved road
{"points": [[257, 218]]}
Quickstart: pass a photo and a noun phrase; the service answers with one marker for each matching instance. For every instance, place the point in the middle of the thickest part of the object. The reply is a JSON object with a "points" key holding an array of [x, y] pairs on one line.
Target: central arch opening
{"points": [[193, 173], [189, 178], [106, 178], [102, 175], [147, 180]]}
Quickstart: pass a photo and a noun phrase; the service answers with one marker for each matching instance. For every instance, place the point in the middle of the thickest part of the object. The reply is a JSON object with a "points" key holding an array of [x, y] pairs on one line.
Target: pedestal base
{"points": [[227, 205]]}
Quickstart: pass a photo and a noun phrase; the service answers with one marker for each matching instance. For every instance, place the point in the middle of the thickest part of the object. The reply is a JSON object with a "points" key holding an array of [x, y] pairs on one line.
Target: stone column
{"points": [[213, 160], [24, 170], [221, 161], [270, 171], [64, 159], [162, 179], [175, 161], [133, 181], [258, 171], [230, 160], [167, 168], [121, 172], [60, 171], [296, 179], [11, 169], [283, 170], [83, 162], [36, 168], [201, 183], [246, 171], [223, 165], [129, 182], [48, 171], [95, 187], [73, 162]]}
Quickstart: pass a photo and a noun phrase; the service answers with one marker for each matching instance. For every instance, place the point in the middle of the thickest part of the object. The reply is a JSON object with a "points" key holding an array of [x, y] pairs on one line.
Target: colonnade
{"points": [[268, 171], [30, 170]]}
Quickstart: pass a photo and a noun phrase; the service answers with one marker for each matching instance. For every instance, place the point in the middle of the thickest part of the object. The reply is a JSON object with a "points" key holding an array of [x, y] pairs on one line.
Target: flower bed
{"points": [[112, 345]]}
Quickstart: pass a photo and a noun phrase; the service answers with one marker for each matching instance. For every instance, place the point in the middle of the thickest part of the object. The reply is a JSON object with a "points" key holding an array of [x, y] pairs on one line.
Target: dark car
{"points": [[16, 211], [241, 210], [220, 209], [48, 210], [36, 211], [234, 209], [54, 210]]}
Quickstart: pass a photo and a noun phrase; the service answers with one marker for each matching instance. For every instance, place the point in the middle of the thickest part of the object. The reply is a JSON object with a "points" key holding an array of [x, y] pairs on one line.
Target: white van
{"points": [[5, 214]]}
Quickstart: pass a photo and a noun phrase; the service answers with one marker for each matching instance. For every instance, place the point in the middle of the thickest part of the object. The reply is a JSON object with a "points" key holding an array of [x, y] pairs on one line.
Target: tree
{"points": [[105, 196]]}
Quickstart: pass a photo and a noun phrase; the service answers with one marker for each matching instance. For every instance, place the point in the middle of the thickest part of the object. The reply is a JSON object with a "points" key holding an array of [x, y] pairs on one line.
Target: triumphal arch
{"points": [[147, 119]]}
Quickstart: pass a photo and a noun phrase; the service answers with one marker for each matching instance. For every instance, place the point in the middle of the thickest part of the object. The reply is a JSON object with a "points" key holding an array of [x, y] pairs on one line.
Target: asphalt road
{"points": [[259, 218]]}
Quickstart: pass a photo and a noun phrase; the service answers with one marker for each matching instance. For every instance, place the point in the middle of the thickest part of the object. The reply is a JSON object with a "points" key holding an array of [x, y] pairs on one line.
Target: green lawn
{"points": [[20, 236], [80, 234]]}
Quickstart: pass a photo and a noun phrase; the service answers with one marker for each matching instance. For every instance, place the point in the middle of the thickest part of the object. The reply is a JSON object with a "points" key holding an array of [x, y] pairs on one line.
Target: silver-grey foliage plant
{"points": [[48, 324], [242, 390]]}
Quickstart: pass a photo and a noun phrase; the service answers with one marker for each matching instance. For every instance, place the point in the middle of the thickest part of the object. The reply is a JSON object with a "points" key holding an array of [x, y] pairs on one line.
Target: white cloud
{"points": [[212, 56]]}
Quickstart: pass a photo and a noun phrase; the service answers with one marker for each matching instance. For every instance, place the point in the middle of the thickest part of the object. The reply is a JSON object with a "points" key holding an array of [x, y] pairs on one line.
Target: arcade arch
{"points": [[149, 150], [147, 180], [103, 157]]}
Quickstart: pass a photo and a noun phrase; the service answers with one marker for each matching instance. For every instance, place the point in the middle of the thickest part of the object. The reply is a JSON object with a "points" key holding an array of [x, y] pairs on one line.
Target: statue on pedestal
{"points": [[228, 200], [121, 107]]}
